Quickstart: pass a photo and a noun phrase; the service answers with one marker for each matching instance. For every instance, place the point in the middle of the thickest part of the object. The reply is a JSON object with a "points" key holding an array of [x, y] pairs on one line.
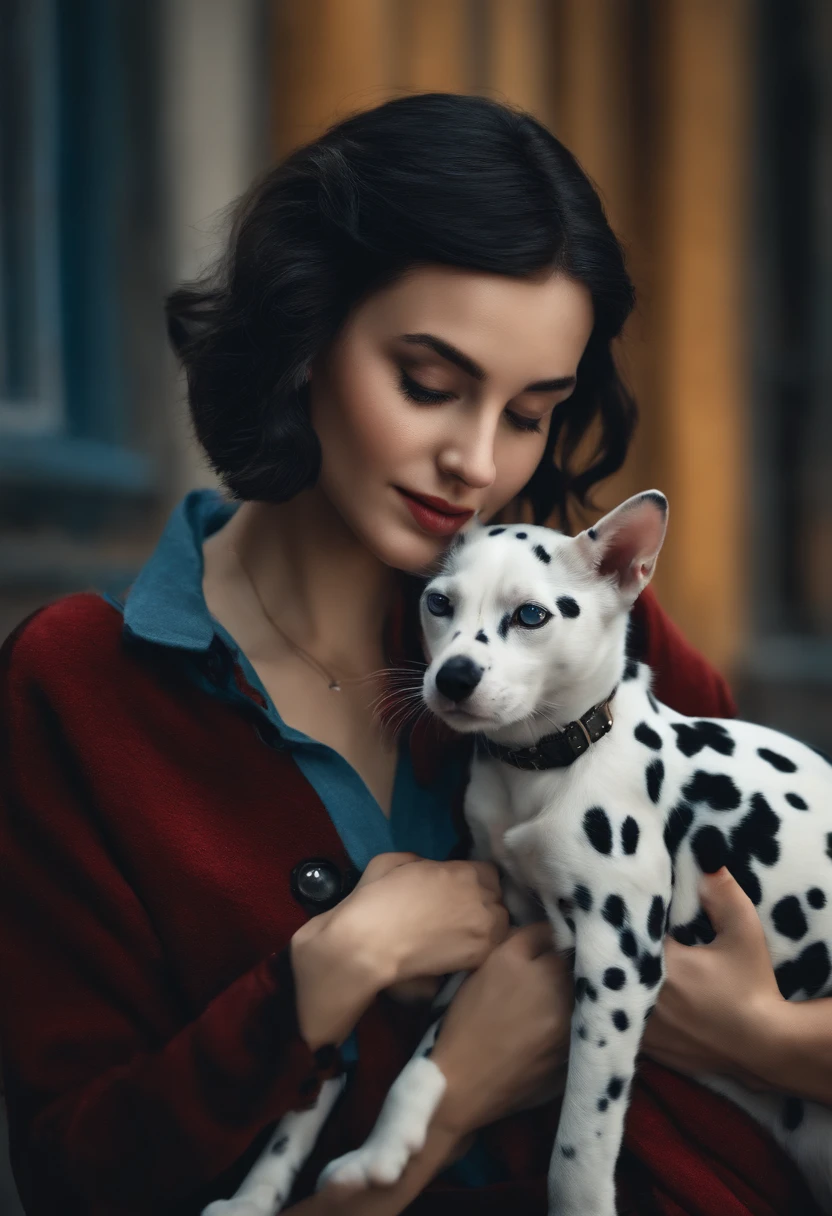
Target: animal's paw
{"points": [[235, 1207], [382, 1164]]}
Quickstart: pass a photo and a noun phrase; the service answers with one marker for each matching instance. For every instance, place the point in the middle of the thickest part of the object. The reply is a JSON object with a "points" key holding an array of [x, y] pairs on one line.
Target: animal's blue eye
{"points": [[531, 615], [438, 604]]}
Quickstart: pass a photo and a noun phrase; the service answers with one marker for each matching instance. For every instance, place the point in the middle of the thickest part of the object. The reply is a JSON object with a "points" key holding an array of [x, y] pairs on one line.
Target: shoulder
{"points": [[77, 632], [683, 678]]}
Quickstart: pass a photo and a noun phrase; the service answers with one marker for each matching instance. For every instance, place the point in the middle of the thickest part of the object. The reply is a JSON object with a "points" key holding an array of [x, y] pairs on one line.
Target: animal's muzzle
{"points": [[457, 678]]}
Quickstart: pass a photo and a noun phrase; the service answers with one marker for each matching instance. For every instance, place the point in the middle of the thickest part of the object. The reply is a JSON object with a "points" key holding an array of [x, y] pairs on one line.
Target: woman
{"points": [[413, 322]]}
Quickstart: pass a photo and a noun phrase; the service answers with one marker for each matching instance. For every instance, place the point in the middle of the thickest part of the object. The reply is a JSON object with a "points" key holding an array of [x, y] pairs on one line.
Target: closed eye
{"points": [[429, 396]]}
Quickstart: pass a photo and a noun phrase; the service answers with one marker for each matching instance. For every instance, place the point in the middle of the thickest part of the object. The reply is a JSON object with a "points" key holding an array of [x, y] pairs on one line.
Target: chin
{"points": [[407, 551]]}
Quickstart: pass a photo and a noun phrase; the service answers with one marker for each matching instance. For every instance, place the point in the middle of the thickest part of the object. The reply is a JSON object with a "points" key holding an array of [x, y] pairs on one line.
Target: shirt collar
{"points": [[166, 603]]}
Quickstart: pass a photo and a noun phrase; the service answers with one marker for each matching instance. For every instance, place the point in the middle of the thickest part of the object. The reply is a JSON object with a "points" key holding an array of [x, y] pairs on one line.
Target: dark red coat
{"points": [[147, 1014]]}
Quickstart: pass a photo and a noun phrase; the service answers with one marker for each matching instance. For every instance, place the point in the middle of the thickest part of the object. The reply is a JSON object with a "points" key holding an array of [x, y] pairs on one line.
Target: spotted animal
{"points": [[606, 807]]}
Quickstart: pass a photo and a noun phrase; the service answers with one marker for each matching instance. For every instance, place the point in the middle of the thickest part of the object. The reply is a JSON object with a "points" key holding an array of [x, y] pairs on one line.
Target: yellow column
{"points": [[700, 328]]}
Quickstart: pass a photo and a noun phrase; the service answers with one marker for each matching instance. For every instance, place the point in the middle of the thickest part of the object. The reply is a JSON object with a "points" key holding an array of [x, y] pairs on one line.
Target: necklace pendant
{"points": [[335, 686]]}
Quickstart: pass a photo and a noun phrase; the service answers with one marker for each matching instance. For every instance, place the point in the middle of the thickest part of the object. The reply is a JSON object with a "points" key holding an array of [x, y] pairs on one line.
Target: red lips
{"points": [[439, 504], [434, 515]]}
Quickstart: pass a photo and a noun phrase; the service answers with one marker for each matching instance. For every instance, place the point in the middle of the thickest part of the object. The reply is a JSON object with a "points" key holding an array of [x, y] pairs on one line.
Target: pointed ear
{"points": [[625, 543]]}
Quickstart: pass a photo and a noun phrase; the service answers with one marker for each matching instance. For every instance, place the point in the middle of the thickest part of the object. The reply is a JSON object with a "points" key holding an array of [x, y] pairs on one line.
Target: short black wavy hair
{"points": [[428, 178]]}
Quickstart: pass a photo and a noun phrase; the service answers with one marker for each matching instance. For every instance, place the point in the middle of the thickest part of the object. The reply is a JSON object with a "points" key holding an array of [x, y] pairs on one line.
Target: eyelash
{"points": [[426, 396]]}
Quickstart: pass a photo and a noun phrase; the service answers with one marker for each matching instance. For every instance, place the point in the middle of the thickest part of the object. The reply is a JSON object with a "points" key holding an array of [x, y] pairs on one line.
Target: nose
{"points": [[469, 451], [458, 677]]}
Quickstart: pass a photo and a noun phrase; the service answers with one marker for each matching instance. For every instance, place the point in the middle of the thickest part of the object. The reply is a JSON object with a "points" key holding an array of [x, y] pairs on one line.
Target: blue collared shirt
{"points": [[166, 606]]}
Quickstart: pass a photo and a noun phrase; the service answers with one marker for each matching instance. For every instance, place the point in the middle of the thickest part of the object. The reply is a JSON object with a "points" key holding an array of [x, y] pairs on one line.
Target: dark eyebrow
{"points": [[453, 355]]}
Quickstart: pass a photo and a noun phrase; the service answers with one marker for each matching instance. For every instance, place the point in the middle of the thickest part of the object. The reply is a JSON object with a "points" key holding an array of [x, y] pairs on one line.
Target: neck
{"points": [[315, 579]]}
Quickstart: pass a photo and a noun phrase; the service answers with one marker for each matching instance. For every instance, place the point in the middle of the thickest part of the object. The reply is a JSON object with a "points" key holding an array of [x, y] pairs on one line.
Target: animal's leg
{"points": [[266, 1187], [401, 1128], [618, 973], [802, 1128]]}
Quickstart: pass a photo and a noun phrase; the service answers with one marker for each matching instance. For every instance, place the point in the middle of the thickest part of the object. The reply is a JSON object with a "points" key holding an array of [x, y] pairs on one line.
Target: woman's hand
{"points": [[717, 1000], [407, 918], [425, 918], [505, 1037]]}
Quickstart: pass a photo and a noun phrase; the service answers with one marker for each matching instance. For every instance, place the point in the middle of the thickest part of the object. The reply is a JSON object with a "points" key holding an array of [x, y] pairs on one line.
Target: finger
{"points": [[534, 940], [501, 924], [383, 864], [487, 874], [729, 909]]}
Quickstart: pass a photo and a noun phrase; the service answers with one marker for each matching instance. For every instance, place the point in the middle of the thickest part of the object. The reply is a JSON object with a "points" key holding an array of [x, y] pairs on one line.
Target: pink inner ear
{"points": [[619, 557]]}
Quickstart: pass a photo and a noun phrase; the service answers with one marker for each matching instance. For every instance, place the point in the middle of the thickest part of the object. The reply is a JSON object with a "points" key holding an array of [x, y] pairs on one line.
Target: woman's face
{"points": [[442, 385]]}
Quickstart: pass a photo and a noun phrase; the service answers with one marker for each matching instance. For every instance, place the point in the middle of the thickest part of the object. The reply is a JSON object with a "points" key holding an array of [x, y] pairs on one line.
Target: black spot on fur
{"points": [[648, 1011], [496, 531], [615, 1087], [567, 1151], [646, 735], [754, 836], [598, 829], [521, 535], [582, 1032], [568, 607], [654, 705], [655, 918], [789, 919], [614, 978], [781, 763], [630, 670], [565, 905], [583, 898], [809, 971], [829, 844], [676, 827], [570, 924], [540, 552], [502, 628], [602, 1042], [583, 988], [650, 969], [710, 848], [592, 534], [629, 835], [692, 738], [697, 930], [627, 942], [620, 1020], [481, 637], [716, 789], [279, 1145], [654, 778], [614, 911], [797, 802], [816, 898], [603, 1103], [792, 1113]]}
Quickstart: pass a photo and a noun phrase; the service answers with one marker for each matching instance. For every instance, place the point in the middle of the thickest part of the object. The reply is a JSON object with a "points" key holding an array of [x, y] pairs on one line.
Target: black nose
{"points": [[458, 678]]}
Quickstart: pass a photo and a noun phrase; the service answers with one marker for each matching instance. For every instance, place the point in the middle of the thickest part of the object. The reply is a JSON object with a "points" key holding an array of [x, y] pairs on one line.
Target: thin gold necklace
{"points": [[334, 682]]}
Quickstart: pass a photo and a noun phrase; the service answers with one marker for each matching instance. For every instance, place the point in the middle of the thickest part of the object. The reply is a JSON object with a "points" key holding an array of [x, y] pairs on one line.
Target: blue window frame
{"points": [[68, 156]]}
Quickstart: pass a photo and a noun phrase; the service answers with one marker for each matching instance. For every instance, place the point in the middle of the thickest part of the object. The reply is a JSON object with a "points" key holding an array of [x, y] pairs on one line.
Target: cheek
{"points": [[362, 421], [515, 460]]}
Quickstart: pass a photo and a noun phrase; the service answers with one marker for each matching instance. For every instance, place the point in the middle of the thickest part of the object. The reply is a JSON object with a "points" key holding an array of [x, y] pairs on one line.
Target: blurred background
{"points": [[128, 126]]}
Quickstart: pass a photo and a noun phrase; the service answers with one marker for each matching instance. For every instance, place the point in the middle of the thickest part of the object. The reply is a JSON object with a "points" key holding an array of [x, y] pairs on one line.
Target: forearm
{"points": [[441, 1147], [792, 1049]]}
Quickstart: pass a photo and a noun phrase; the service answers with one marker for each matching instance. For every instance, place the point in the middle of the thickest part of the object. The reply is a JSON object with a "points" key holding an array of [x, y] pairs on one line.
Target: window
{"points": [[77, 207]]}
